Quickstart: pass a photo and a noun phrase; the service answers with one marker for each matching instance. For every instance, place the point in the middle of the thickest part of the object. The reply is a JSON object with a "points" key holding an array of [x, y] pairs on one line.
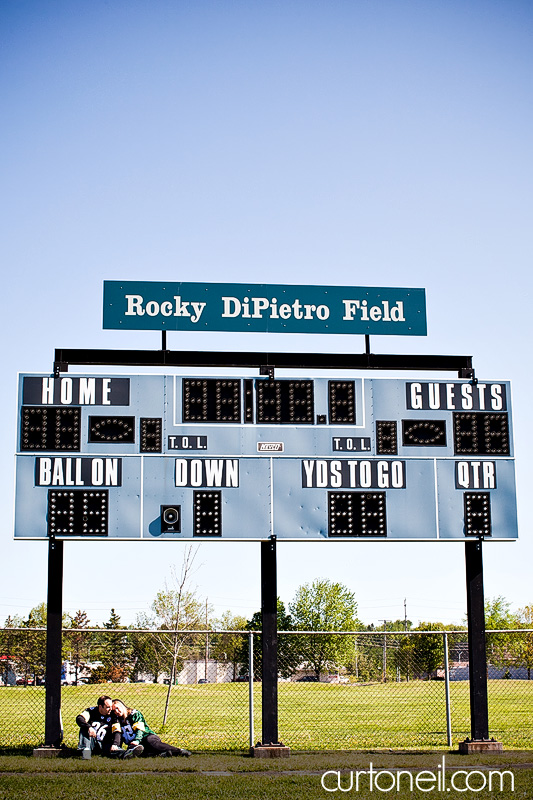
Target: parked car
{"points": [[203, 680], [307, 679]]}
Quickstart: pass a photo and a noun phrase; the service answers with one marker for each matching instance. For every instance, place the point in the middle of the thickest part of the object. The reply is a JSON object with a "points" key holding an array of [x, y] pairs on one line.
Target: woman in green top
{"points": [[131, 728]]}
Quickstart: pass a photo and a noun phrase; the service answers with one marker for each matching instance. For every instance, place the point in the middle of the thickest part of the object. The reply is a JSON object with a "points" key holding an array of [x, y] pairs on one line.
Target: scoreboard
{"points": [[171, 457]]}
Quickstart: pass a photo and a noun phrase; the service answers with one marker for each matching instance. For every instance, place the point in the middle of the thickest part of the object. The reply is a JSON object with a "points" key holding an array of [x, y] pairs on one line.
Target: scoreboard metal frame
{"points": [[359, 459], [166, 457]]}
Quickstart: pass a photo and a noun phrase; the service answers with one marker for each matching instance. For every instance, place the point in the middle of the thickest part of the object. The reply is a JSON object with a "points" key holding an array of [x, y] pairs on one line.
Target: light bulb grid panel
{"points": [[151, 438], [207, 513], [424, 433], [481, 434], [77, 512], [477, 514], [211, 400], [49, 429], [386, 437], [341, 402], [357, 514], [288, 402], [111, 429]]}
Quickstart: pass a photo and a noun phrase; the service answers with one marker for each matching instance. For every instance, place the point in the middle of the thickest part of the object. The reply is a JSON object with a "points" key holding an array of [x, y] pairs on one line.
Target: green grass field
{"points": [[214, 717], [236, 777]]}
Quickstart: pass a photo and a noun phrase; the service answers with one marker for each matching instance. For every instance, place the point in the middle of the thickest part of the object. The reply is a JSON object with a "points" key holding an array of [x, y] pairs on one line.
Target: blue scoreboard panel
{"points": [[172, 457]]}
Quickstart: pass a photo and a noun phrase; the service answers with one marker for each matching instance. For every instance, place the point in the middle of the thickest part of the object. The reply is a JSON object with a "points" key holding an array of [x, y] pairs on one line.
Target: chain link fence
{"points": [[202, 690]]}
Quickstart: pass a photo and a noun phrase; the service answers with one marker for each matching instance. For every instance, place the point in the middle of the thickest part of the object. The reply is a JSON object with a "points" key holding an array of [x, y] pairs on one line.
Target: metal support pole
{"points": [[269, 610], [53, 732], [447, 690], [475, 604], [251, 685]]}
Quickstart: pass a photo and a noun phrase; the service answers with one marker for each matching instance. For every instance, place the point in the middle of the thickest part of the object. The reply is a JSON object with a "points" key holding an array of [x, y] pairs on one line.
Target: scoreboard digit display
{"points": [[171, 457]]}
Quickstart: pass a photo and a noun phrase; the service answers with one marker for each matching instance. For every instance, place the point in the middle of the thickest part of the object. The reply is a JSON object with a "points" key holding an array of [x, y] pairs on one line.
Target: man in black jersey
{"points": [[95, 727]]}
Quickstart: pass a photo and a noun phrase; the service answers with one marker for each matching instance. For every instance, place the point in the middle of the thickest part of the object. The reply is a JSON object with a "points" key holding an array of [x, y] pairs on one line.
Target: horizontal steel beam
{"points": [[199, 358]]}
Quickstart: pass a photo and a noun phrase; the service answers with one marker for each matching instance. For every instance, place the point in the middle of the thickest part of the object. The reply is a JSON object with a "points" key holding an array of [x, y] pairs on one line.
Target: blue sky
{"points": [[350, 143]]}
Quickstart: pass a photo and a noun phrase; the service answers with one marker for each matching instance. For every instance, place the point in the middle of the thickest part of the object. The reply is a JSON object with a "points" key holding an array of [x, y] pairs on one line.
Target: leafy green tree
{"points": [[13, 621], [503, 649], [31, 651], [324, 605], [115, 653], [177, 610], [147, 654], [228, 647], [108, 674], [77, 640], [174, 611], [427, 650], [9, 646], [380, 657], [498, 613], [525, 617], [366, 662], [396, 651], [288, 655]]}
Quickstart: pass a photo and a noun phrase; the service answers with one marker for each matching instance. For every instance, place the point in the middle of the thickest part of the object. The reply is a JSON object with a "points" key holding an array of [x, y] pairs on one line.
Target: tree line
{"points": [[323, 641]]}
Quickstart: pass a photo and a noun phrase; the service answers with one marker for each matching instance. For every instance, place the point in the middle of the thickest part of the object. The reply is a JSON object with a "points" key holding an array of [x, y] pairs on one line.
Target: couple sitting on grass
{"points": [[109, 725]]}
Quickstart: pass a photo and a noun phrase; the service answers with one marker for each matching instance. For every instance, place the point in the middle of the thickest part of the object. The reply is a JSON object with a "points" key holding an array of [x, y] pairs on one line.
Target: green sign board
{"points": [[264, 308]]}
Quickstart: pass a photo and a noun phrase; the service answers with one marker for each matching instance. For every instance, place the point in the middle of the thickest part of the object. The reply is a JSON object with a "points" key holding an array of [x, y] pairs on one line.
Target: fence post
{"points": [[447, 690], [251, 686]]}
